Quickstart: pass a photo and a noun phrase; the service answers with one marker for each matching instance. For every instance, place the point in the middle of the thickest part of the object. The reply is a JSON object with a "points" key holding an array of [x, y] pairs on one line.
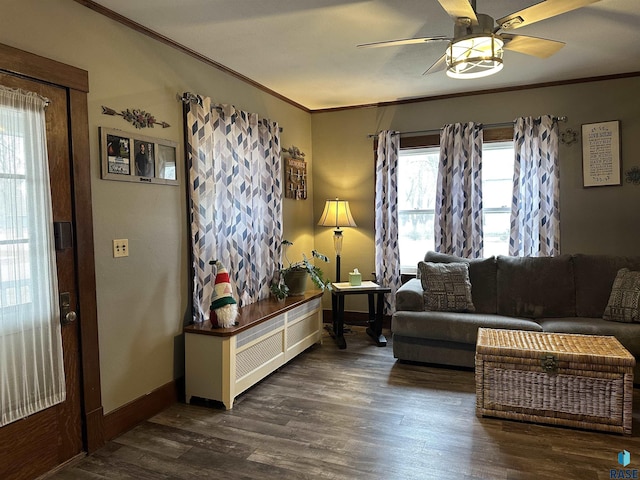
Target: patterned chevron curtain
{"points": [[535, 212], [236, 199], [386, 216], [458, 226]]}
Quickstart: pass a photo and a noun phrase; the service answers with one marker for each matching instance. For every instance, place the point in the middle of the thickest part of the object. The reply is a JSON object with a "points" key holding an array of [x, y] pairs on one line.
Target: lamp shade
{"points": [[337, 214]]}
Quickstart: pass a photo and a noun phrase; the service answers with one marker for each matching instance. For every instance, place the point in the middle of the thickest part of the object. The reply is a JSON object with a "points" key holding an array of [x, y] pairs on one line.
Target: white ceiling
{"points": [[305, 50]]}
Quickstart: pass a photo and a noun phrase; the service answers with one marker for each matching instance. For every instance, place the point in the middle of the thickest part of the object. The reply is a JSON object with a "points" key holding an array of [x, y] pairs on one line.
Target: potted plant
{"points": [[295, 275]]}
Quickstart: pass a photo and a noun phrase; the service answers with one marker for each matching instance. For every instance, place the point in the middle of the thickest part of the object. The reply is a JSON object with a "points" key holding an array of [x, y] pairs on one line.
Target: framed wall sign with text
{"points": [[601, 154]]}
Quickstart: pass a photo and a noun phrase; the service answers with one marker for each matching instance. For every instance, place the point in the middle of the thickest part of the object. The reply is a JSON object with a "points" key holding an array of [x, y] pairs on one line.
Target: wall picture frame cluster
{"points": [[130, 157]]}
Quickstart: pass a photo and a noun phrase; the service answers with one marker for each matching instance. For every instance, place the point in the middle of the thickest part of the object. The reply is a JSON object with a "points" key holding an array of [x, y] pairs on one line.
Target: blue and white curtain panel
{"points": [[386, 216], [535, 211], [458, 226], [235, 200]]}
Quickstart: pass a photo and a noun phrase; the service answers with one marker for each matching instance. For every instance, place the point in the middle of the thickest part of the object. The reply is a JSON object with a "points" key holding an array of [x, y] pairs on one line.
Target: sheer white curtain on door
{"points": [[31, 363]]}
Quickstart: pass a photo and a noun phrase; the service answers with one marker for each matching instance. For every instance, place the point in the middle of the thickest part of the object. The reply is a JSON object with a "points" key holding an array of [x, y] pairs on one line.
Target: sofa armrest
{"points": [[410, 296]]}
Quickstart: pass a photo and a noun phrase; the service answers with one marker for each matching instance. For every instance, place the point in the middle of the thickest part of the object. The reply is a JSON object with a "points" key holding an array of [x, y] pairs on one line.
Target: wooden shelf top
{"points": [[253, 314]]}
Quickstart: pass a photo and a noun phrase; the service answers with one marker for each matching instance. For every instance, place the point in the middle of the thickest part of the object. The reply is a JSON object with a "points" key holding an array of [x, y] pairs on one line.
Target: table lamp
{"points": [[337, 214]]}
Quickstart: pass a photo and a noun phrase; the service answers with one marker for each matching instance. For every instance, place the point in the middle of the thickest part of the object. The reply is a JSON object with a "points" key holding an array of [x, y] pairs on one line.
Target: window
{"points": [[27, 259], [497, 189], [15, 282], [417, 179]]}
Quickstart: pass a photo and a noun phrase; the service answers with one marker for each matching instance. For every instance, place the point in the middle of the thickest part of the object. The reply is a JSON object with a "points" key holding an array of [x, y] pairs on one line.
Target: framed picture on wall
{"points": [[118, 155], [601, 154], [130, 157], [295, 178]]}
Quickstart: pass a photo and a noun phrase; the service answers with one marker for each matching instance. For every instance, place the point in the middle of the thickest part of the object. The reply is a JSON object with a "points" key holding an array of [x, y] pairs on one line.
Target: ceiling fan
{"points": [[478, 40]]}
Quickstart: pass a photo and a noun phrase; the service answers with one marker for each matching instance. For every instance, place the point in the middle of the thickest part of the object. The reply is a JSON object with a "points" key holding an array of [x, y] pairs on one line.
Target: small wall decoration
{"points": [[601, 154], [138, 118], [569, 136], [137, 158], [295, 174], [633, 175]]}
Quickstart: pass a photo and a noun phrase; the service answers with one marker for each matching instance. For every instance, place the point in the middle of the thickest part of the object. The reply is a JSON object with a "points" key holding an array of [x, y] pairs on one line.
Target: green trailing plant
{"points": [[314, 271], [279, 289]]}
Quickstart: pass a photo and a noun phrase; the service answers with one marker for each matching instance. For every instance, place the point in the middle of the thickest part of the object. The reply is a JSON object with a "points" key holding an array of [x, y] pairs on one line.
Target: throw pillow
{"points": [[447, 286], [625, 298]]}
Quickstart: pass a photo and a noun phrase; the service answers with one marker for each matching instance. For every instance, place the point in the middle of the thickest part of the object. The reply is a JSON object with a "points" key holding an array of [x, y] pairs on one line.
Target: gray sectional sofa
{"points": [[564, 294]]}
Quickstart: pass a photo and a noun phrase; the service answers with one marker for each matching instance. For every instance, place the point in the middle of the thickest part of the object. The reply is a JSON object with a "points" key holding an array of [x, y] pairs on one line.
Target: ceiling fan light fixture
{"points": [[474, 56]]}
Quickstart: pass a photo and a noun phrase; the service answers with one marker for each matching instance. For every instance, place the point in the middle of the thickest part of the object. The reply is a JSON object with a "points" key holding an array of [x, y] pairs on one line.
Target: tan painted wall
{"points": [[593, 220], [143, 299]]}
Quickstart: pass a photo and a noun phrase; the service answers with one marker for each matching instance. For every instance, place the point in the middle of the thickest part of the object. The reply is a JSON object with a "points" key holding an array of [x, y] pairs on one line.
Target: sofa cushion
{"points": [[482, 274], [446, 286], [623, 301], [452, 326], [594, 276], [410, 296], [536, 287]]}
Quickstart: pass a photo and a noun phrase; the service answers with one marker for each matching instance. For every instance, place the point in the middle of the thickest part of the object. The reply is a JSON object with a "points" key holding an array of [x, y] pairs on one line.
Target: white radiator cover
{"points": [[221, 368]]}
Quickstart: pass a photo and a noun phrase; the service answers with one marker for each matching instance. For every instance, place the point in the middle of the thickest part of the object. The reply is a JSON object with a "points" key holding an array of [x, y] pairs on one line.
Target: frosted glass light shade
{"points": [[474, 56]]}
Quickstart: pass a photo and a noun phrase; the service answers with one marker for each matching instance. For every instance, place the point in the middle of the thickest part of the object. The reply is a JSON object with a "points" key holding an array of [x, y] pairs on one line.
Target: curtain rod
{"points": [[487, 125], [188, 97], [45, 101]]}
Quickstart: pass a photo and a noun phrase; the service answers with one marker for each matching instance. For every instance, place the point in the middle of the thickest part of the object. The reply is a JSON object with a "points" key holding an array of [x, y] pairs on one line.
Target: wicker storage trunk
{"points": [[583, 381]]}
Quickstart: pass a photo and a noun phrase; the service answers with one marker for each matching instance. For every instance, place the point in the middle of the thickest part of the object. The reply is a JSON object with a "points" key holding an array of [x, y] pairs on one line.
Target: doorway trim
{"points": [[76, 81]]}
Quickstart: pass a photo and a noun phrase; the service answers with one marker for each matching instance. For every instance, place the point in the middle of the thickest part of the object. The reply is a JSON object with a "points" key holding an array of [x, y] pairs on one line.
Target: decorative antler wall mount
{"points": [[138, 118]]}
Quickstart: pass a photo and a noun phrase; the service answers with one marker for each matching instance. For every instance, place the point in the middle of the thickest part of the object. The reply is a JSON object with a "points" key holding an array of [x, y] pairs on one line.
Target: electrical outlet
{"points": [[121, 247]]}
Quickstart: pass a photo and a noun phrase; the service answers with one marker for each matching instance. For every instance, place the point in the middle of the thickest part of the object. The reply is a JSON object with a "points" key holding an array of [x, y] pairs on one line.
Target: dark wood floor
{"points": [[354, 414]]}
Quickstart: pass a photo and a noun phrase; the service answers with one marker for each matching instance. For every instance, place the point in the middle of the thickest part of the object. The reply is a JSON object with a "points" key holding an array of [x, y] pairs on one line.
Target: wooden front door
{"points": [[39, 443]]}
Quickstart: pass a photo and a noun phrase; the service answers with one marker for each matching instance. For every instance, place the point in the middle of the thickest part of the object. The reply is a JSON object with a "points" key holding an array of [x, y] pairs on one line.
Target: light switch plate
{"points": [[121, 247]]}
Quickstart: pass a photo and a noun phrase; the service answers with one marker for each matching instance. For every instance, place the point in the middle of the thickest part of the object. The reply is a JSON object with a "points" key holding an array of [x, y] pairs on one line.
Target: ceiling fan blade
{"points": [[459, 9], [538, 47], [438, 65], [540, 11], [406, 41]]}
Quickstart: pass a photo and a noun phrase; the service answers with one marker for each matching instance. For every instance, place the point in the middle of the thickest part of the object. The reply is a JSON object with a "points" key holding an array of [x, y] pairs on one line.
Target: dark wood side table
{"points": [[374, 329]]}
